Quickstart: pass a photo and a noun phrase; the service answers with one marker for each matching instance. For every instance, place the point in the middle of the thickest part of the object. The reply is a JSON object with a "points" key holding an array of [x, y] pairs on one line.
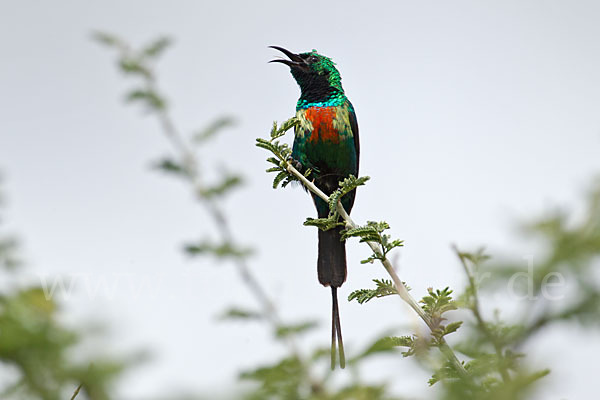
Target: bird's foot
{"points": [[296, 164]]}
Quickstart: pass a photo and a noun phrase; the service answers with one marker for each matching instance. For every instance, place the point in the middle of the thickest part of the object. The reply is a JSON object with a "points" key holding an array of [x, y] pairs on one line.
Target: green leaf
{"points": [[294, 329], [220, 250], [148, 97], [346, 186], [282, 151], [211, 131], [278, 178], [227, 183], [437, 302], [452, 327], [170, 166], [277, 132], [383, 288], [441, 331], [289, 179], [155, 48], [274, 161], [274, 130], [387, 344], [240, 313], [133, 66], [106, 39], [323, 224], [476, 258], [367, 233], [351, 182], [372, 232]]}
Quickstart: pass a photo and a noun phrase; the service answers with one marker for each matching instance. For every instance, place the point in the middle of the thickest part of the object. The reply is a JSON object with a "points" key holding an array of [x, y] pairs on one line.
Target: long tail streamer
{"points": [[336, 332]]}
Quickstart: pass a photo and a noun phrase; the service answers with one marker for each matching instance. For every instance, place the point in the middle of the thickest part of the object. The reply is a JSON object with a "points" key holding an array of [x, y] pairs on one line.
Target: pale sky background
{"points": [[472, 115]]}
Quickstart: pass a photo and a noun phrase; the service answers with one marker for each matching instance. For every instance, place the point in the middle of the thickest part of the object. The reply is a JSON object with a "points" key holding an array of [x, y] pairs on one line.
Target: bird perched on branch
{"points": [[326, 141]]}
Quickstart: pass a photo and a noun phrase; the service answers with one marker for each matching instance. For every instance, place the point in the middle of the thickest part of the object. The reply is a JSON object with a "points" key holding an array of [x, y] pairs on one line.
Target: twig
{"points": [[77, 391], [400, 287]]}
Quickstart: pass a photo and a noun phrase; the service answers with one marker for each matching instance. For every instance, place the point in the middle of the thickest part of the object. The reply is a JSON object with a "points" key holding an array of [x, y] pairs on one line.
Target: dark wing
{"points": [[354, 127]]}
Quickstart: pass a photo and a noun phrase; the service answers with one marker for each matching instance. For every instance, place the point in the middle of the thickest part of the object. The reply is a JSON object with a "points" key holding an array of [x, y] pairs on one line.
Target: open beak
{"points": [[295, 61]]}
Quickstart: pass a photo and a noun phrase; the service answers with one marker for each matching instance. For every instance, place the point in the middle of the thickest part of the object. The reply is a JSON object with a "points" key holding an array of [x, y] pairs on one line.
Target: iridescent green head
{"points": [[317, 76]]}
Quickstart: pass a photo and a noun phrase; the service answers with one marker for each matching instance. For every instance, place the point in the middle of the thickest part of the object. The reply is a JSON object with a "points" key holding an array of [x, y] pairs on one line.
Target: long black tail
{"points": [[336, 331], [331, 267], [331, 264]]}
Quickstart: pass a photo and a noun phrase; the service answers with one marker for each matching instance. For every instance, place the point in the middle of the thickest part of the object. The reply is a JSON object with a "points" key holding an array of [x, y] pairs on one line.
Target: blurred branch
{"points": [[76, 391], [188, 159], [474, 306], [187, 163]]}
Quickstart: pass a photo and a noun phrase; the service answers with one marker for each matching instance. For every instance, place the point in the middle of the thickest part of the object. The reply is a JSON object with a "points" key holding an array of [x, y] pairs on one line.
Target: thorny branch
{"points": [[400, 287]]}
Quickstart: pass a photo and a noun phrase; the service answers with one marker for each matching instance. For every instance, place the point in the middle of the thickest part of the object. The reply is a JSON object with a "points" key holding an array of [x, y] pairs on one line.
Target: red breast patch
{"points": [[322, 121]]}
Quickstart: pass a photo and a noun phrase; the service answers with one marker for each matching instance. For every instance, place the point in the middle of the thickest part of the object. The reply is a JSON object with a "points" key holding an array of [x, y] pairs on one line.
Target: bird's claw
{"points": [[296, 164]]}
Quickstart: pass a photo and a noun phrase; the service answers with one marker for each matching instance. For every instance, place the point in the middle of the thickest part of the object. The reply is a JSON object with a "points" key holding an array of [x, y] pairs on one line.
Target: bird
{"points": [[326, 142]]}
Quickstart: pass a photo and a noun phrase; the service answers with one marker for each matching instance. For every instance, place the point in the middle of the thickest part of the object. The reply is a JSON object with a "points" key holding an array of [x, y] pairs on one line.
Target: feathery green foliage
{"points": [[282, 152], [333, 219], [437, 302], [384, 287], [388, 344], [373, 232]]}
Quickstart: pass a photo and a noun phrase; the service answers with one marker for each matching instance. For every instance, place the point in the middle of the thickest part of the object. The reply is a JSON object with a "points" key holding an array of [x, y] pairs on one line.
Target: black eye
{"points": [[313, 59]]}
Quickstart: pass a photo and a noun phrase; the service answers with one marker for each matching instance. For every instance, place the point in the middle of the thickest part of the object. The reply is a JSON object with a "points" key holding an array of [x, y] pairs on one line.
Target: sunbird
{"points": [[326, 142]]}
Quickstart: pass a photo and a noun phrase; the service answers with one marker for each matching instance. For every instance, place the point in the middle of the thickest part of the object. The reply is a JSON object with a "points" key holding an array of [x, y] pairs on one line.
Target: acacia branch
{"points": [[399, 285]]}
